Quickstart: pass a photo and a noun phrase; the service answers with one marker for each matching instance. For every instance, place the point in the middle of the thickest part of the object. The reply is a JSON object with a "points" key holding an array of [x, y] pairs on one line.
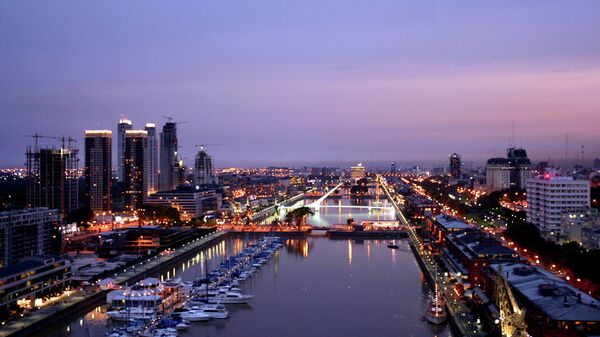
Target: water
{"points": [[313, 287]]}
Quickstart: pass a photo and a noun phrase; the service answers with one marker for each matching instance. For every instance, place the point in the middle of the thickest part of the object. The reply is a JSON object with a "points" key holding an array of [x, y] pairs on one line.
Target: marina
{"points": [[287, 294]]}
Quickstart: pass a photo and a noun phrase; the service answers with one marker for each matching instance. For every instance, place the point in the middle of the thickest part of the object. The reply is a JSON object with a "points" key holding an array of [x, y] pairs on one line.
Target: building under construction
{"points": [[52, 176]]}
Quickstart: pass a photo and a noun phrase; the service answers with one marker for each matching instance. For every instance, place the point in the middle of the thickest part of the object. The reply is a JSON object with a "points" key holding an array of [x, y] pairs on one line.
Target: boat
{"points": [[191, 315], [393, 245], [230, 298], [437, 311], [217, 311], [132, 313]]}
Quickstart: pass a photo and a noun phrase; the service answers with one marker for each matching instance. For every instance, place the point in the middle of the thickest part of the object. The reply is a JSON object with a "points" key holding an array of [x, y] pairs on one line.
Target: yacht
{"points": [[213, 310], [136, 313], [191, 315], [230, 298], [393, 245]]}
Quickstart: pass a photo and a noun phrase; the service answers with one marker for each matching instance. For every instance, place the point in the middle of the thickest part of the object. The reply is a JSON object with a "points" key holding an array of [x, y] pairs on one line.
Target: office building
{"points": [[574, 222], [122, 127], [357, 172], [550, 196], [24, 285], [455, 166], [25, 233], [52, 178], [508, 173], [204, 174], [98, 170], [190, 201], [136, 162], [169, 159], [393, 167], [152, 158]]}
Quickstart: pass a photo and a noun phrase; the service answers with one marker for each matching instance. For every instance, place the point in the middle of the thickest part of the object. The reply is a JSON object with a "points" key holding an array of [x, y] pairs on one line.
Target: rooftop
{"points": [[558, 299], [450, 223]]}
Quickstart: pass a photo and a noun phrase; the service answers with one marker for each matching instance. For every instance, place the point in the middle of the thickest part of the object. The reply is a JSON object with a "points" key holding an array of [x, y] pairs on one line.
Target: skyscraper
{"points": [[455, 166], [124, 125], [98, 169], [393, 167], [169, 160], [52, 178], [203, 170], [136, 163], [152, 158]]}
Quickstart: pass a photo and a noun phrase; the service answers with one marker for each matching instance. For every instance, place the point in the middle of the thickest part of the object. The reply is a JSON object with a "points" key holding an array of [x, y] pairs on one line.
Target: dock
{"points": [[80, 302]]}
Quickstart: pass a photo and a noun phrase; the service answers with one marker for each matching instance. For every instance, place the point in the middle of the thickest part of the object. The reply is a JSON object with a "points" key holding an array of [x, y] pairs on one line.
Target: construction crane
{"points": [[63, 139], [171, 119], [512, 317]]}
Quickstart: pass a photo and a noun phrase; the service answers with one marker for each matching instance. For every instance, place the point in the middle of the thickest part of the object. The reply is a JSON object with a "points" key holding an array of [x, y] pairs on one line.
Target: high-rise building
{"points": [[169, 161], [25, 233], [98, 169], [152, 158], [136, 163], [550, 196], [357, 172], [204, 173], [124, 125], [455, 166], [393, 167], [52, 179], [508, 173]]}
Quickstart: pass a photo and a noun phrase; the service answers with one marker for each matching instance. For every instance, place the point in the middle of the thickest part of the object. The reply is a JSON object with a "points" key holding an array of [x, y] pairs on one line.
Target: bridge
{"points": [[385, 208], [316, 205]]}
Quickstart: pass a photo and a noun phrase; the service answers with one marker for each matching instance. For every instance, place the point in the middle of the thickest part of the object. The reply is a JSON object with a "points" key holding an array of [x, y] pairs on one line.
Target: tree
{"points": [[299, 215], [81, 216], [160, 214]]}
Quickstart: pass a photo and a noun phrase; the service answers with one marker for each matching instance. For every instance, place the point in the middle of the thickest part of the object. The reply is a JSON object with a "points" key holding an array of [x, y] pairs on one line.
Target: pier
{"points": [[79, 301]]}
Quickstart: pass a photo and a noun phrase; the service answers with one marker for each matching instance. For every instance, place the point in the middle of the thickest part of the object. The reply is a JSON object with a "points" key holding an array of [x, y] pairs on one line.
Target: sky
{"points": [[290, 82]]}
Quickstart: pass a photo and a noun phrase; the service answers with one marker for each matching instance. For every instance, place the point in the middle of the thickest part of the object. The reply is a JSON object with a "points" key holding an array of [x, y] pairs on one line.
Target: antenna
{"points": [[513, 134], [566, 148]]}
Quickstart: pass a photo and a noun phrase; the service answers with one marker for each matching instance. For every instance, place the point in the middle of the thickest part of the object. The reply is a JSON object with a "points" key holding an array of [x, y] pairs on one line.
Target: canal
{"points": [[312, 287]]}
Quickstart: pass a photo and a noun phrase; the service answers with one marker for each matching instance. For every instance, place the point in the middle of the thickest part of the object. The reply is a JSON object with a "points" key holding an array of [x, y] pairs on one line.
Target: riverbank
{"points": [[80, 301]]}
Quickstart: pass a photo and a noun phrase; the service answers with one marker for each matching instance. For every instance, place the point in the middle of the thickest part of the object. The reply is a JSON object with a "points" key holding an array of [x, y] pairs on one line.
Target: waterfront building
{"points": [[573, 222], [553, 307], [550, 196], [122, 127], [52, 178], [25, 284], [98, 170], [508, 173], [422, 207], [25, 233], [442, 225], [204, 173], [357, 172], [455, 166], [190, 201], [169, 161], [470, 252], [136, 162], [152, 172]]}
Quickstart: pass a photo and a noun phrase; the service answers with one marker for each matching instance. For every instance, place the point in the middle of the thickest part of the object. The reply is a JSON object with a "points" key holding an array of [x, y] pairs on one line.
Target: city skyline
{"points": [[306, 83]]}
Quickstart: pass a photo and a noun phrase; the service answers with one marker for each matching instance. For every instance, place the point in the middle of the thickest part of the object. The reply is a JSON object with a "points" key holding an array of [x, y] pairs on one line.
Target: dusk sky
{"points": [[281, 82]]}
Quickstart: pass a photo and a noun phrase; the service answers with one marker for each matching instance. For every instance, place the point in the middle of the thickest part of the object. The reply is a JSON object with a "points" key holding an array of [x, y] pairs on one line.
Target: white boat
{"points": [[182, 326], [192, 315], [217, 311], [230, 298], [136, 313], [437, 311]]}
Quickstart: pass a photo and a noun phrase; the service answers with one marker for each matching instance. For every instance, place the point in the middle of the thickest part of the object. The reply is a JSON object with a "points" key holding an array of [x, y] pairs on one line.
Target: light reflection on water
{"points": [[311, 287]]}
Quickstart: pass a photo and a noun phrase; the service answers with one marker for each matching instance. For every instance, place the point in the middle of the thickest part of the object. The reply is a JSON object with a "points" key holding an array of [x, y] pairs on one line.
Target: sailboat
{"points": [[437, 311]]}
